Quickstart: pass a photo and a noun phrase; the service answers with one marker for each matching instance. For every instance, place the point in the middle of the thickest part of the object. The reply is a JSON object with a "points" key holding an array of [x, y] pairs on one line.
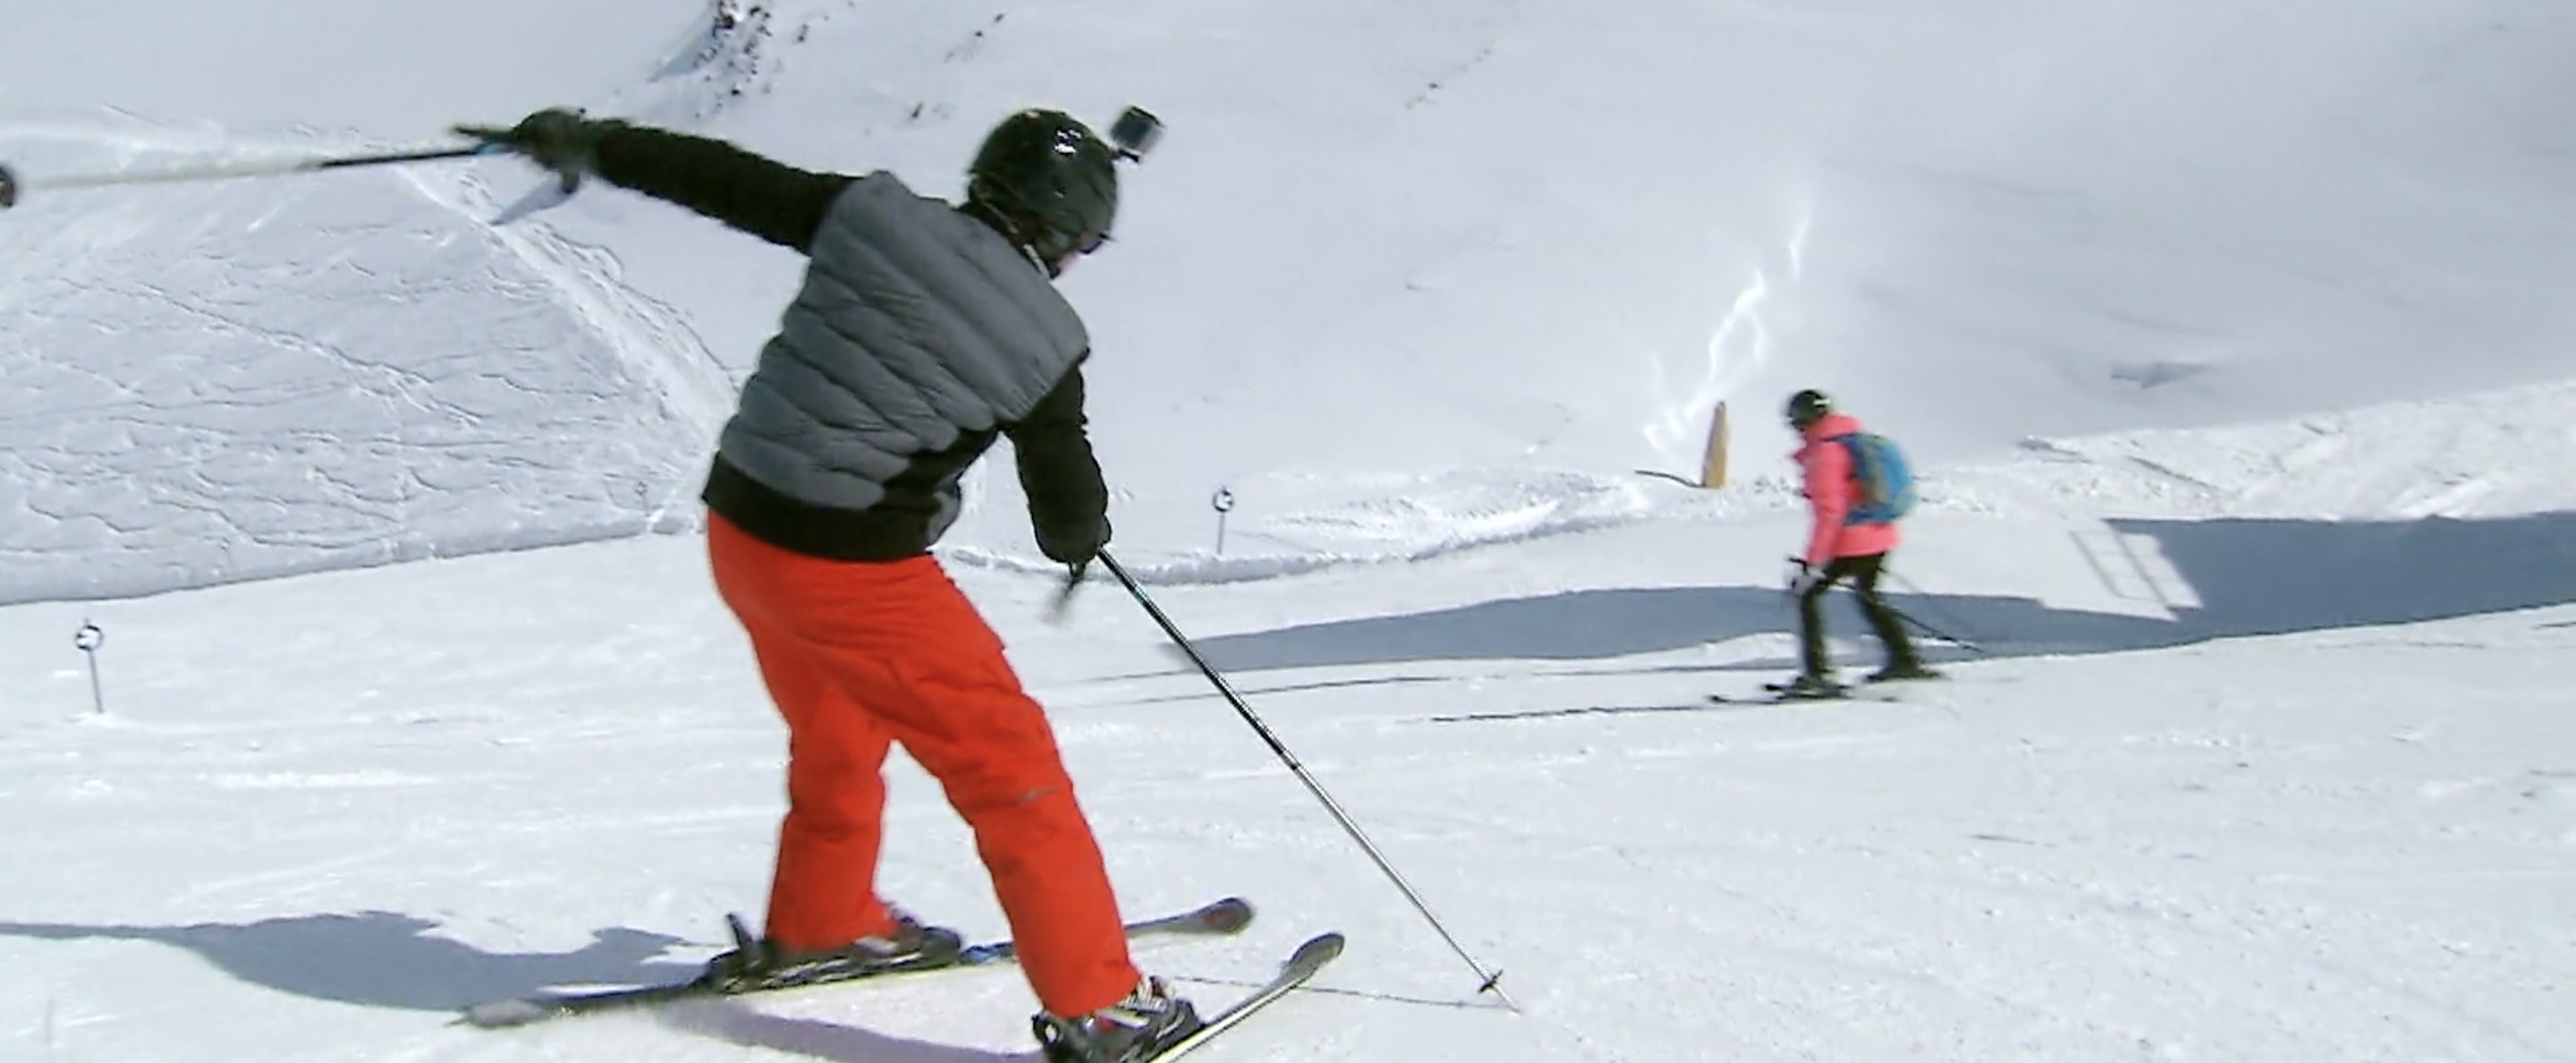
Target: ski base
{"points": [[1220, 918]]}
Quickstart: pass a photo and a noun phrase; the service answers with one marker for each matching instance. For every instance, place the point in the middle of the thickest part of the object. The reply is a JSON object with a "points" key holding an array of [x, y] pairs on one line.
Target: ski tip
{"points": [[1228, 916], [1317, 951]]}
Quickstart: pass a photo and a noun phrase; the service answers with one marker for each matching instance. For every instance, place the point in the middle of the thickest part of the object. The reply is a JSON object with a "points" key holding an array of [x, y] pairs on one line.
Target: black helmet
{"points": [[1808, 407], [1051, 178]]}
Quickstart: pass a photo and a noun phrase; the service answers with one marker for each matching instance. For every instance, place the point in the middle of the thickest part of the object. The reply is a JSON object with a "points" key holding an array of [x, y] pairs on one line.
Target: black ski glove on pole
{"points": [[1073, 549], [557, 138], [1803, 577], [1075, 552]]}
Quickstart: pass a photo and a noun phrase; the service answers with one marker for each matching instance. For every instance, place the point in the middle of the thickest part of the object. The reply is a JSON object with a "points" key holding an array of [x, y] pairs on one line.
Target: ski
{"points": [[1224, 917], [1784, 693], [1301, 966], [1772, 695]]}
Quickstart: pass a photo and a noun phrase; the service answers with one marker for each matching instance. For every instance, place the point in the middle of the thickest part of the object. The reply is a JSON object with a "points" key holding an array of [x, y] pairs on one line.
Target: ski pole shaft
{"points": [[1935, 632], [12, 186], [1491, 981], [1062, 605], [1927, 628]]}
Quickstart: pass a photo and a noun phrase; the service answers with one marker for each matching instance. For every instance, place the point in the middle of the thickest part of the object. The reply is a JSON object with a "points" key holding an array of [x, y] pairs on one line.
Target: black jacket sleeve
{"points": [[1068, 502], [758, 195]]}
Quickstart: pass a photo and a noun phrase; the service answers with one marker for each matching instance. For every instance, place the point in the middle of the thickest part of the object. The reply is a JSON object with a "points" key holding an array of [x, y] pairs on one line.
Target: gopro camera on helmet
{"points": [[1135, 133]]}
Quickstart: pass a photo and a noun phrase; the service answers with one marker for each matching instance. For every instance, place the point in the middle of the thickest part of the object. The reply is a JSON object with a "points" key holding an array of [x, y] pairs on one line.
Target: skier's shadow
{"points": [[733, 1023], [387, 959]]}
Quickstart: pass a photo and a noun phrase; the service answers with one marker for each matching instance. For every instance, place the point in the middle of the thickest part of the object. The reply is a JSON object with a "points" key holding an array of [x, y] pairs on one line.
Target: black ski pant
{"points": [[1864, 573]]}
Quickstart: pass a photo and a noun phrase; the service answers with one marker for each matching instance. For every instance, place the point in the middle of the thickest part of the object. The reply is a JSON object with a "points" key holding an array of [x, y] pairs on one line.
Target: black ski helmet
{"points": [[1051, 178], [1808, 407]]}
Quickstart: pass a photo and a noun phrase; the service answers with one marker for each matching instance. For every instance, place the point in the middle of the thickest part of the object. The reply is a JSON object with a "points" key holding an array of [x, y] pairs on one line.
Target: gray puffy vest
{"points": [[916, 324]]}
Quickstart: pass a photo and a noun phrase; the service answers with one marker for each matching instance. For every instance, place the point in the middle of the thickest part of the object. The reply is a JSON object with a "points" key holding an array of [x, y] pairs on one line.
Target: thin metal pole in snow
{"points": [[1223, 503], [1492, 981], [88, 639]]}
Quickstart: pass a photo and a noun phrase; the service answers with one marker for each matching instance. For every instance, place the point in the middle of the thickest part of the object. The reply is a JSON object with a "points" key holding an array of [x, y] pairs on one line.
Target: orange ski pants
{"points": [[859, 655]]}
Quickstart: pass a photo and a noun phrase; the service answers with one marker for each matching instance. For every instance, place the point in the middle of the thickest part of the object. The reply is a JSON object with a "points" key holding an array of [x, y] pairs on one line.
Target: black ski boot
{"points": [[1138, 1028], [762, 963], [1807, 685]]}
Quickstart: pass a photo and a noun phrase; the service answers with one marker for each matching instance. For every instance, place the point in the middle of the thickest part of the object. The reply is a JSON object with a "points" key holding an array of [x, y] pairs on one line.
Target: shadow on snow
{"points": [[391, 960], [2251, 577], [386, 959], [730, 1022]]}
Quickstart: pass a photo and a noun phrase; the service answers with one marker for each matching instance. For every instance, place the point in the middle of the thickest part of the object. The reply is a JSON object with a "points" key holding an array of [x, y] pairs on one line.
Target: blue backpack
{"points": [[1885, 482]]}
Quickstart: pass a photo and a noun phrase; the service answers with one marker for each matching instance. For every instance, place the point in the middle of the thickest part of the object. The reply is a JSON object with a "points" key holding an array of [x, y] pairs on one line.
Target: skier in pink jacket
{"points": [[1839, 548]]}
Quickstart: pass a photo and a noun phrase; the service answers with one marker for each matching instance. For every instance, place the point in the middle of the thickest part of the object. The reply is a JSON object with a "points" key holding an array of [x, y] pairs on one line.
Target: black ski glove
{"points": [[1803, 577], [1073, 548], [557, 138]]}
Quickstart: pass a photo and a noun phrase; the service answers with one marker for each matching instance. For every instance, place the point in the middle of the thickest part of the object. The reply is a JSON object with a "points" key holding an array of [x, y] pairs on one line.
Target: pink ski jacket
{"points": [[1830, 493]]}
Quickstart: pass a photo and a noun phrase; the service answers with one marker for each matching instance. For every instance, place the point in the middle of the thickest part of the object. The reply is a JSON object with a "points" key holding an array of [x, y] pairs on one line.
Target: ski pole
{"points": [[1492, 980], [1927, 628], [1062, 605], [12, 186], [1936, 632]]}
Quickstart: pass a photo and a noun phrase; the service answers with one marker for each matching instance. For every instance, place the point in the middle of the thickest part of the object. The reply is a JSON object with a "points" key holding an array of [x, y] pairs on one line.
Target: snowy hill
{"points": [[1458, 259], [2230, 337]]}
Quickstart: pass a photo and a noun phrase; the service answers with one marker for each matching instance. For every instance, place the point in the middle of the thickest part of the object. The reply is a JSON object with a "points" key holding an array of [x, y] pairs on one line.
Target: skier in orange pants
{"points": [[861, 656], [924, 331]]}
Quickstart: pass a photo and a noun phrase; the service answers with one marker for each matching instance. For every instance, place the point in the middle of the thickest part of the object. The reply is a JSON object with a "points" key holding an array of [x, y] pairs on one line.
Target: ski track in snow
{"points": [[652, 337], [306, 383]]}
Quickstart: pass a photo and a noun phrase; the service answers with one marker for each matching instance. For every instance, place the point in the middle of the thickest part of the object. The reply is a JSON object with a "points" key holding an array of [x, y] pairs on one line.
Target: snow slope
{"points": [[1440, 258], [288, 380], [408, 789]]}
